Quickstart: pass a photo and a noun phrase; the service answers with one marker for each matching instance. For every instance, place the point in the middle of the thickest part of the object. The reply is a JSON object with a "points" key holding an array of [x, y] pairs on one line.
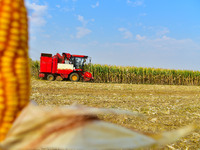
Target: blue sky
{"points": [[142, 33]]}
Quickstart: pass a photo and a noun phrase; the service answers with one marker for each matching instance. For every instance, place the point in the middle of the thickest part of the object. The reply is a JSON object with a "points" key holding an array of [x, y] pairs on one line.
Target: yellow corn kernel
{"points": [[4, 21], [2, 106], [11, 48], [2, 136], [2, 47], [3, 131], [23, 87], [7, 125], [3, 33], [12, 101], [23, 38], [22, 82], [23, 21], [6, 8], [14, 37], [9, 113], [23, 10], [8, 74], [6, 59], [7, 70], [10, 86], [1, 99], [11, 80], [21, 60], [7, 1], [23, 92], [6, 15], [24, 26], [19, 65], [13, 43], [23, 100], [1, 93], [15, 5], [2, 38], [22, 14], [8, 119], [23, 44], [14, 31], [20, 71], [10, 108], [15, 24], [23, 103], [23, 32], [9, 54], [10, 94], [16, 16], [5, 65], [3, 26], [20, 52]]}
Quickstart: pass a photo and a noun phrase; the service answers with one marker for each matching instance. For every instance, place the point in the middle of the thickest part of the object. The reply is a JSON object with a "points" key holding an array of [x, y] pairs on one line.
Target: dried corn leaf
{"points": [[78, 128]]}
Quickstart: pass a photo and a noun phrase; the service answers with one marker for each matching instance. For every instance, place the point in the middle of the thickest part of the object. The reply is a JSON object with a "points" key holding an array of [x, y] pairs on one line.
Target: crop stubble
{"points": [[166, 107]]}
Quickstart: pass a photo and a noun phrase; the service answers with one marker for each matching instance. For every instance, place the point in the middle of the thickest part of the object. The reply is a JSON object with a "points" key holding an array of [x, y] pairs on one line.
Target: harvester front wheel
{"points": [[74, 77], [50, 77], [59, 78]]}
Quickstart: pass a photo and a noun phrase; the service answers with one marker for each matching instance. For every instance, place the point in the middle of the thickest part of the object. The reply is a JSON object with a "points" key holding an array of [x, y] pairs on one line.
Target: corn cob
{"points": [[14, 66]]}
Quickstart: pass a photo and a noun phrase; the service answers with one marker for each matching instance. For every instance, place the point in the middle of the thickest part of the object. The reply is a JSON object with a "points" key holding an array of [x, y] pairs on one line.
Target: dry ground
{"points": [[166, 107]]}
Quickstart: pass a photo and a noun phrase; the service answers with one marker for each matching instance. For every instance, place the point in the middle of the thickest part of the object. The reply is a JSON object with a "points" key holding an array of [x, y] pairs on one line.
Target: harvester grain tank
{"points": [[66, 66]]}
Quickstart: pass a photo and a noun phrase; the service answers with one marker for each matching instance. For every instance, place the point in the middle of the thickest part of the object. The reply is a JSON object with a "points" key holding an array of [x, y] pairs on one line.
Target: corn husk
{"points": [[78, 127]]}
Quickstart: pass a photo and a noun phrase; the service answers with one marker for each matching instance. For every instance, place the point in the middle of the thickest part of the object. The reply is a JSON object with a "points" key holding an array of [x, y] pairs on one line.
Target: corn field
{"points": [[135, 75], [35, 67], [140, 75]]}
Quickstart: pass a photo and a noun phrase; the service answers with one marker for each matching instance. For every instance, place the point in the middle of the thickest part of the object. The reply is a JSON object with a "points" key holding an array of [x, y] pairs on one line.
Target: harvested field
{"points": [[166, 107]]}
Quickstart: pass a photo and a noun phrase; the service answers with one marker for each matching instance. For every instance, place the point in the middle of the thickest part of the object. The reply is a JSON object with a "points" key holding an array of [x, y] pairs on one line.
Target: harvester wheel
{"points": [[74, 77], [50, 77], [59, 78]]}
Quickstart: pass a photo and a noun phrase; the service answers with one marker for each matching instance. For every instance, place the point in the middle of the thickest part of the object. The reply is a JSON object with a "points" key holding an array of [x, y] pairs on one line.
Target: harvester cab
{"points": [[78, 61], [66, 66]]}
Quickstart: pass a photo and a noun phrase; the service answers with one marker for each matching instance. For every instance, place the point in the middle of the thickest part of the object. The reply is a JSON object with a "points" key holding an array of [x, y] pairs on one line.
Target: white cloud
{"points": [[69, 6], [143, 14], [58, 6], [126, 33], [47, 36], [162, 45], [165, 38], [163, 31], [96, 5], [69, 9], [38, 13], [81, 32], [135, 3], [139, 37], [82, 20], [164, 52]]}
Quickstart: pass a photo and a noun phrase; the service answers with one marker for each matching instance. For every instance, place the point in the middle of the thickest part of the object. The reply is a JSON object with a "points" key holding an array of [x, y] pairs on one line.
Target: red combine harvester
{"points": [[66, 66]]}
